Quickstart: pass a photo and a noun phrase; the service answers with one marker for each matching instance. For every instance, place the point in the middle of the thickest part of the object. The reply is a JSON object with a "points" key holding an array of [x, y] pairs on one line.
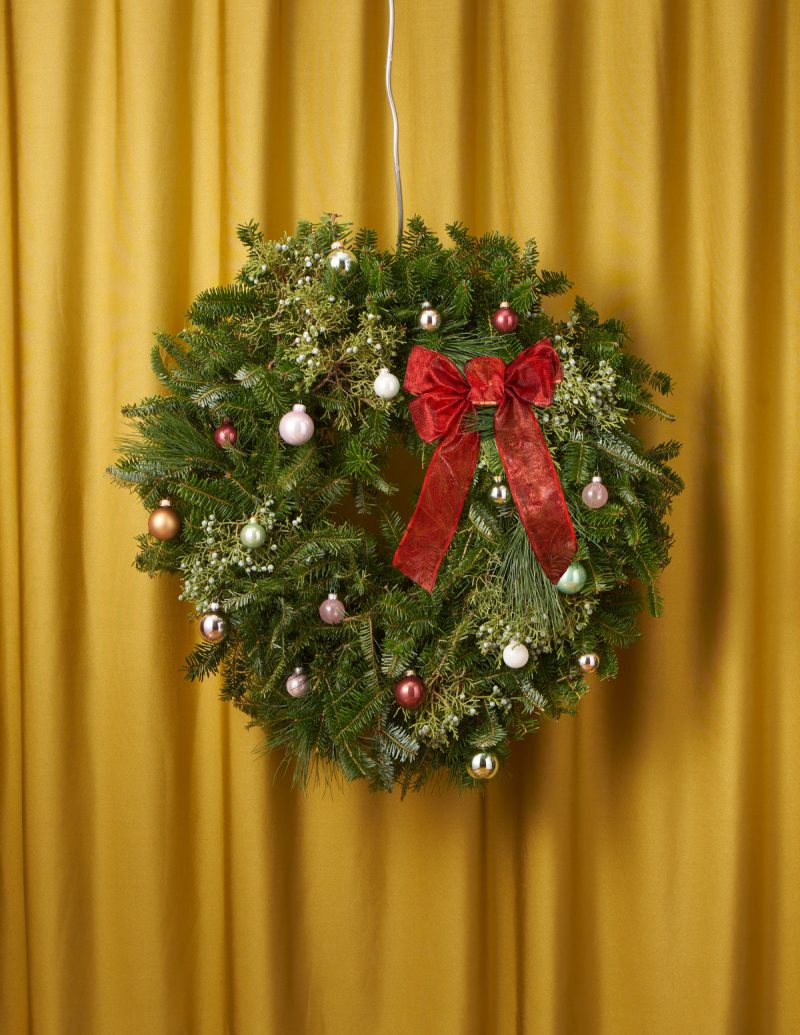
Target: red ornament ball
{"points": [[226, 434], [505, 319], [410, 692]]}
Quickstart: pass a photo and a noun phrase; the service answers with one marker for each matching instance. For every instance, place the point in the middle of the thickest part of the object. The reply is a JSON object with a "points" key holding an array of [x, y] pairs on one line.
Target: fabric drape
{"points": [[634, 869]]}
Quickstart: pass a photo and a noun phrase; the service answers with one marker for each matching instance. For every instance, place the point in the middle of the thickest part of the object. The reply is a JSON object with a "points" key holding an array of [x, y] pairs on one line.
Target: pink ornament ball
{"points": [[595, 494], [410, 691], [226, 434], [296, 427], [505, 320], [331, 611]]}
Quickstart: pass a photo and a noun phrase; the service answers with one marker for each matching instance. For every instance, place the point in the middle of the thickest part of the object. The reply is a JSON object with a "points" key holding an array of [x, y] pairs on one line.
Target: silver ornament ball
{"points": [[428, 319], [589, 662], [213, 625], [483, 766], [499, 493], [297, 683], [253, 534], [340, 260]]}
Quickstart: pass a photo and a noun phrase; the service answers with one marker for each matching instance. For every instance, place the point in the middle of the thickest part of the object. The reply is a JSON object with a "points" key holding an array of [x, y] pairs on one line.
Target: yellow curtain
{"points": [[635, 869]]}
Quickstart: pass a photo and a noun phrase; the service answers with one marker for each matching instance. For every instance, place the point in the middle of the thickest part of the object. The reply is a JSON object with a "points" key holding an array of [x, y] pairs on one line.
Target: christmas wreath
{"points": [[361, 641]]}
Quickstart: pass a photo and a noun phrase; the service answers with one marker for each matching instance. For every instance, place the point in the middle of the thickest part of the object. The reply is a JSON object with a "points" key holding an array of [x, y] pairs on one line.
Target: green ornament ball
{"points": [[253, 534], [573, 580]]}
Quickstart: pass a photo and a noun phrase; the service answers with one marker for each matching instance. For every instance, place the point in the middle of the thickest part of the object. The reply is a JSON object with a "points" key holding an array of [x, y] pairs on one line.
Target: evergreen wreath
{"points": [[267, 467]]}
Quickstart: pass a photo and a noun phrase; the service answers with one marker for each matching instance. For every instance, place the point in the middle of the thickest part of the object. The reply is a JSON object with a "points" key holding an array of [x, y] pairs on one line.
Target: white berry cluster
{"points": [[587, 390], [443, 719], [210, 574]]}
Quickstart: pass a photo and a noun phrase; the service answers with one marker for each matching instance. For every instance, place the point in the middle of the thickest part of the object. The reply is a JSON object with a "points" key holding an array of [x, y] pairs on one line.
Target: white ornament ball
{"points": [[386, 385], [296, 427], [516, 655], [253, 534], [297, 683]]}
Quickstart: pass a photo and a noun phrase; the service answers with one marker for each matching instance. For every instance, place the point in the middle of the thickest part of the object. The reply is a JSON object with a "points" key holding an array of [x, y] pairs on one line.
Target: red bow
{"points": [[444, 398]]}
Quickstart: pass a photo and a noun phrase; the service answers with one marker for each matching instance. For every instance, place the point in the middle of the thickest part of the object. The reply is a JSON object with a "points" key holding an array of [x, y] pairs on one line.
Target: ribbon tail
{"points": [[441, 500], [534, 484]]}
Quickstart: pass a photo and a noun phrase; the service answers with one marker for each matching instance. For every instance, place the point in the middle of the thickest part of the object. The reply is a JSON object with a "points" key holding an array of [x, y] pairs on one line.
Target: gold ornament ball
{"points": [[589, 662], [164, 522], [429, 319], [483, 766], [214, 625]]}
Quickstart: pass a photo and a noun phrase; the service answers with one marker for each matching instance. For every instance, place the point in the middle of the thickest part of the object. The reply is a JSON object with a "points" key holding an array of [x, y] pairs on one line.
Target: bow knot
{"points": [[442, 399]]}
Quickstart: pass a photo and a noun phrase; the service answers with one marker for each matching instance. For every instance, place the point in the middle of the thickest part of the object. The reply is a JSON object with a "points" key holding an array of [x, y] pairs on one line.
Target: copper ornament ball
{"points": [[505, 320], [410, 691], [589, 662], [164, 522]]}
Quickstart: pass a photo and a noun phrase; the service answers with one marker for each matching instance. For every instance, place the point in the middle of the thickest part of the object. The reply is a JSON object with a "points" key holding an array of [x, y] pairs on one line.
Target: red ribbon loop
{"points": [[443, 398]]}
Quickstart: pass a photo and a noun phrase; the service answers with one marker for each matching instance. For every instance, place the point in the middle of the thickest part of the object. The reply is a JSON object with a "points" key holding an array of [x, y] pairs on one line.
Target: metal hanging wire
{"points": [[396, 133]]}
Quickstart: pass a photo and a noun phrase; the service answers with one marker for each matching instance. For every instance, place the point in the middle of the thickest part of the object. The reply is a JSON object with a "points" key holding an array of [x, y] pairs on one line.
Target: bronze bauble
{"points": [[164, 522]]}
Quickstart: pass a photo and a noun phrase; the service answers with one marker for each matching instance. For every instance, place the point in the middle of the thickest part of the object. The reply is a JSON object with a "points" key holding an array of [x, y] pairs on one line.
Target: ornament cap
{"points": [[335, 245], [426, 305], [333, 596], [383, 370], [597, 479], [213, 607], [505, 304], [298, 670], [409, 672], [299, 408], [166, 502]]}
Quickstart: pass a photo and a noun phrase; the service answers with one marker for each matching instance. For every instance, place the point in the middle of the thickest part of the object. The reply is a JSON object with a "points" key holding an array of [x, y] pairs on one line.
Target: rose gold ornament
{"points": [[226, 434], [483, 766], [504, 319], [589, 662], [410, 691], [213, 625], [331, 611]]}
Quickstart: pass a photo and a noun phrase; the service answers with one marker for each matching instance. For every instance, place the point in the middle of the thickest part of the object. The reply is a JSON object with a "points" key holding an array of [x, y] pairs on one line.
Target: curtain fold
{"points": [[635, 868]]}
